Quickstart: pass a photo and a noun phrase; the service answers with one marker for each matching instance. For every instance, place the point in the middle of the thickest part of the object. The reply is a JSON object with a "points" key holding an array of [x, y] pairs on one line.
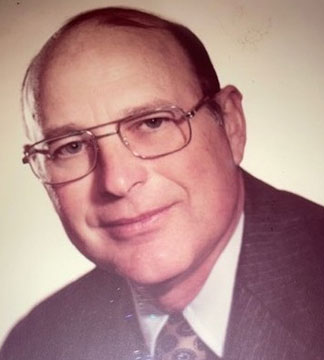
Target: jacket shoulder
{"points": [[71, 323], [270, 207], [259, 193]]}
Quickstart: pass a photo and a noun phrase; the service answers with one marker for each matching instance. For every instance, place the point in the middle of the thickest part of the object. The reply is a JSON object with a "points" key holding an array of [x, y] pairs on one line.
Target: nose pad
{"points": [[118, 171]]}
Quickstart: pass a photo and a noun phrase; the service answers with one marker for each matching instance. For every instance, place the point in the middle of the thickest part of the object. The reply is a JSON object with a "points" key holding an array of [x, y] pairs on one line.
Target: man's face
{"points": [[151, 220]]}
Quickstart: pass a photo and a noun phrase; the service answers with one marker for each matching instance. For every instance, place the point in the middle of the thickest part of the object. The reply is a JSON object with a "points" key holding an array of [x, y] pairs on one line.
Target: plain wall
{"points": [[272, 50]]}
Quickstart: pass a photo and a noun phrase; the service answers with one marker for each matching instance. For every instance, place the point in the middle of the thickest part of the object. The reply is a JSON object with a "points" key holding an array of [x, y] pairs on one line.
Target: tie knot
{"points": [[178, 341]]}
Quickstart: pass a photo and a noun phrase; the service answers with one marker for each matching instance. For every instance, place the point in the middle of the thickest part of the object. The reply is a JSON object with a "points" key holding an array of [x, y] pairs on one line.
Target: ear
{"points": [[230, 101]]}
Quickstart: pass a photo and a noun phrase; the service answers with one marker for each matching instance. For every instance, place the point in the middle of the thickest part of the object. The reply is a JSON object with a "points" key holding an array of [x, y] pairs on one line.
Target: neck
{"points": [[175, 294]]}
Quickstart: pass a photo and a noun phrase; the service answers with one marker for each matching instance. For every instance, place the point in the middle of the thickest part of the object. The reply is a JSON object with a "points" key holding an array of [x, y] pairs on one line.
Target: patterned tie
{"points": [[177, 341]]}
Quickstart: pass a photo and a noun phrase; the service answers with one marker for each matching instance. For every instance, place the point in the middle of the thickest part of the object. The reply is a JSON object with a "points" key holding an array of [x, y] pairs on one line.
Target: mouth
{"points": [[146, 222]]}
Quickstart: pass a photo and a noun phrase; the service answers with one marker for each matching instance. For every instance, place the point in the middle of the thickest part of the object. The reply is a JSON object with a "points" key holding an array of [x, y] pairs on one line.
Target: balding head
{"points": [[92, 61], [72, 37]]}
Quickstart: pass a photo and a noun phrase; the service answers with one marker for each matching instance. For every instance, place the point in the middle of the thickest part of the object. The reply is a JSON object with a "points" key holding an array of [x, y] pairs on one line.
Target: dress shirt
{"points": [[208, 313]]}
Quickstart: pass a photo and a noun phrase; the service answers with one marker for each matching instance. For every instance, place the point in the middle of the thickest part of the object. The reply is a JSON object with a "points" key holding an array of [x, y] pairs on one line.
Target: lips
{"points": [[146, 222]]}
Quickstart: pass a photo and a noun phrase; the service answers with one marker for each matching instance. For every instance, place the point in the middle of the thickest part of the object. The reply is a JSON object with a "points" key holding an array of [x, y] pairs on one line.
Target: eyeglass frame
{"points": [[187, 115]]}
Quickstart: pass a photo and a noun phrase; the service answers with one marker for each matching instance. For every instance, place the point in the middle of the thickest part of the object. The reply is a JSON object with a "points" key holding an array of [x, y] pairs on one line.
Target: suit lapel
{"points": [[128, 342], [255, 334], [270, 312]]}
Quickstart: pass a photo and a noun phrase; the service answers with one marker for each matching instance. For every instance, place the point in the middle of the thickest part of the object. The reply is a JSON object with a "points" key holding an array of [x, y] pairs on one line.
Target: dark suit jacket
{"points": [[277, 311]]}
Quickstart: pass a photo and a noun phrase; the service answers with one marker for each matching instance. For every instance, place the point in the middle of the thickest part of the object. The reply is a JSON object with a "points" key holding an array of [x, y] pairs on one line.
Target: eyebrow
{"points": [[138, 110], [131, 111], [60, 130]]}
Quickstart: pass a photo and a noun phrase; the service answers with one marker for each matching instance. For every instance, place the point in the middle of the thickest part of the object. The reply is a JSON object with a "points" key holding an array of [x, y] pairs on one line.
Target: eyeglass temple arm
{"points": [[27, 153], [212, 103], [205, 100]]}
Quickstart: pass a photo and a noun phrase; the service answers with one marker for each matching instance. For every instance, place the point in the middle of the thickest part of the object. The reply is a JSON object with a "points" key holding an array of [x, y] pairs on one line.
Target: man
{"points": [[139, 150]]}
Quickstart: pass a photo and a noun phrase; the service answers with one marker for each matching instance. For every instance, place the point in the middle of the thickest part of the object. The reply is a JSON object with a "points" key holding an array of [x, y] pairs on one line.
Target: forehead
{"points": [[110, 50], [118, 60]]}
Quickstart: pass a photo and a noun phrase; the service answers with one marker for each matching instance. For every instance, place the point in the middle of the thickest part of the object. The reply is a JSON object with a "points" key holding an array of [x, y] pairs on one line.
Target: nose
{"points": [[118, 171]]}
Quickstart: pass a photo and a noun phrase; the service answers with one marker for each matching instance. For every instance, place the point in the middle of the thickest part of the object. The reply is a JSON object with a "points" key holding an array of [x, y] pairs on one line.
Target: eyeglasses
{"points": [[150, 135]]}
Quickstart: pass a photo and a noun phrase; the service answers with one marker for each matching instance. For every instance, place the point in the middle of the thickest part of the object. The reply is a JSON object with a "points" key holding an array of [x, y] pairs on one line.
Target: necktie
{"points": [[177, 341]]}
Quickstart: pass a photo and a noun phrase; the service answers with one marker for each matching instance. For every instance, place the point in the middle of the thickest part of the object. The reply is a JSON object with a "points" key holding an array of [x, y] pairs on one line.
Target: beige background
{"points": [[272, 50]]}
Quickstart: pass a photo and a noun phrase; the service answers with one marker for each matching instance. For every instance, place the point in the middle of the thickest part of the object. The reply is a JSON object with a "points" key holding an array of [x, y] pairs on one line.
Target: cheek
{"points": [[71, 202], [206, 172]]}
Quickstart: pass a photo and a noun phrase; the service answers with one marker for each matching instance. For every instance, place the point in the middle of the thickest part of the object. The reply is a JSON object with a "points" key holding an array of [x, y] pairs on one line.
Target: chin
{"points": [[145, 276], [154, 272]]}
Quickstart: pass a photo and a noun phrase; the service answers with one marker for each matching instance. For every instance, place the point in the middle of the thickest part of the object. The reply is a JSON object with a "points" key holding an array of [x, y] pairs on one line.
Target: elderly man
{"points": [[139, 150]]}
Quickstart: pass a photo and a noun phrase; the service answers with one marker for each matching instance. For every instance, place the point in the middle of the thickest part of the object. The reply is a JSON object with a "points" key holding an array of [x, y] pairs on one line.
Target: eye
{"points": [[151, 123], [69, 149], [154, 123]]}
